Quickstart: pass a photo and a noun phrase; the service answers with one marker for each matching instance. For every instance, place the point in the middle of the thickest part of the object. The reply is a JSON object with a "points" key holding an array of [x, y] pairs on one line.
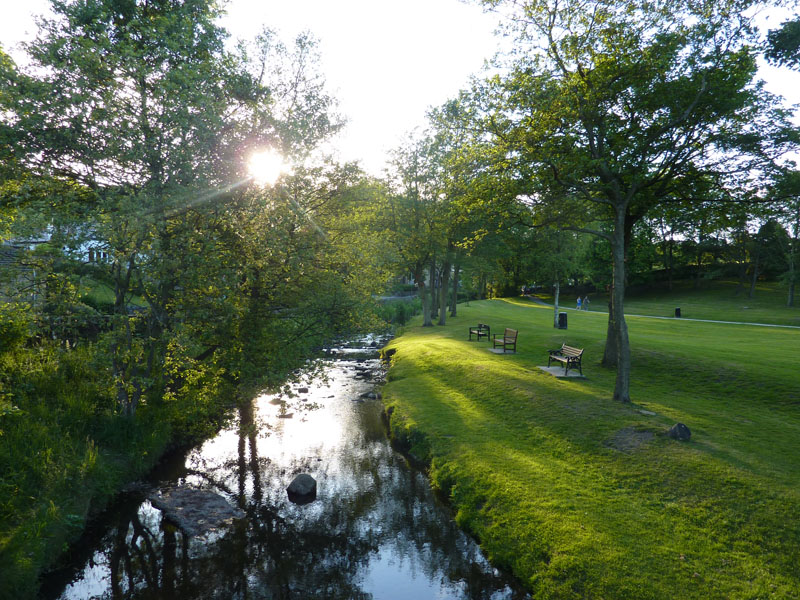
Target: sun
{"points": [[266, 166]]}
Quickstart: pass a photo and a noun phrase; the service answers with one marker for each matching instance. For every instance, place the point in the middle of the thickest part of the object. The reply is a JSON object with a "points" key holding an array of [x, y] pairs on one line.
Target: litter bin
{"points": [[678, 312], [562, 320]]}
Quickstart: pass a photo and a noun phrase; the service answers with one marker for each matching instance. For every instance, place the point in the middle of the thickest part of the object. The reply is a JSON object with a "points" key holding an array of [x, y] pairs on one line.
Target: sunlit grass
{"points": [[529, 464]]}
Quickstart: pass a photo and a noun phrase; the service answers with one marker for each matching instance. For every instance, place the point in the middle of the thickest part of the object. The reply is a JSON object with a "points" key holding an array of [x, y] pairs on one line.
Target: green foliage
{"points": [[783, 44], [398, 312], [15, 325], [584, 497]]}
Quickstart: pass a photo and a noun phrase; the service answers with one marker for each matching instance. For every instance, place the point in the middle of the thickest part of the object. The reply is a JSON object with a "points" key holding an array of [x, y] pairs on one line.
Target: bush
{"points": [[398, 312], [15, 323]]}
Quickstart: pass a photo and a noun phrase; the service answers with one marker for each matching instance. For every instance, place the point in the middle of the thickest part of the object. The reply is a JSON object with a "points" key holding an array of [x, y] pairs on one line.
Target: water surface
{"points": [[375, 531]]}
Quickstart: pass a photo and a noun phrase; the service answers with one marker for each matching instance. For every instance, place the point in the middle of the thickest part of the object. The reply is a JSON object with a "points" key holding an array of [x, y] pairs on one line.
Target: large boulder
{"points": [[303, 489], [195, 512]]}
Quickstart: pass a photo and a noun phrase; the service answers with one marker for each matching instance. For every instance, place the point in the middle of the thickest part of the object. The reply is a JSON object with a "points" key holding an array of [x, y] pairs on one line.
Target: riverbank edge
{"points": [[74, 517], [415, 445], [68, 519]]}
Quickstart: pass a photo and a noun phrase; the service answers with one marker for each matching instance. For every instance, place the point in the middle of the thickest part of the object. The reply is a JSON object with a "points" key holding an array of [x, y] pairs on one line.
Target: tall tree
{"points": [[620, 104], [140, 102]]}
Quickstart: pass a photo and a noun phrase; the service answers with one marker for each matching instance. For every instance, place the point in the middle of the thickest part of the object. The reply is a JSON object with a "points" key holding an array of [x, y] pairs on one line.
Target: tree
{"points": [[619, 106], [786, 196], [140, 102], [413, 217], [783, 48]]}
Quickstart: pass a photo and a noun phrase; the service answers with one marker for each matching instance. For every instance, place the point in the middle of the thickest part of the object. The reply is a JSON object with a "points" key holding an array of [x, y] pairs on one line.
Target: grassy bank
{"points": [[65, 451], [583, 497]]}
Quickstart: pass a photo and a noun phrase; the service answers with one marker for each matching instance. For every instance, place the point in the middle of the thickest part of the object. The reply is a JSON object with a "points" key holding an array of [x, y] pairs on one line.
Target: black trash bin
{"points": [[678, 312], [562, 320]]}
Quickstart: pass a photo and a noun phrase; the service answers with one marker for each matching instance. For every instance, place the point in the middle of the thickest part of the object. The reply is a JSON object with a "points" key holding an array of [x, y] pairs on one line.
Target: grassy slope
{"points": [[527, 460], [717, 300]]}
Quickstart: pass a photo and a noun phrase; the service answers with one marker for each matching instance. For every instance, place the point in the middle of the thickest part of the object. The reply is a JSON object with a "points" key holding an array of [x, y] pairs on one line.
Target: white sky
{"points": [[387, 61]]}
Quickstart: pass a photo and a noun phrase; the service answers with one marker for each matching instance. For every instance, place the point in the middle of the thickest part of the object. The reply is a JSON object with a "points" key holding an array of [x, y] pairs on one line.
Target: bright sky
{"points": [[387, 61]]}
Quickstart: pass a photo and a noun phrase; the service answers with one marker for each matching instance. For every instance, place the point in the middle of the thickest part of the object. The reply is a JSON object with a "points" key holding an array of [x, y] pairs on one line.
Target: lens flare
{"points": [[266, 166]]}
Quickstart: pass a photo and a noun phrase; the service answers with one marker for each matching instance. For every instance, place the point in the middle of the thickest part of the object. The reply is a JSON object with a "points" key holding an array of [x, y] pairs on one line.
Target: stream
{"points": [[373, 531]]}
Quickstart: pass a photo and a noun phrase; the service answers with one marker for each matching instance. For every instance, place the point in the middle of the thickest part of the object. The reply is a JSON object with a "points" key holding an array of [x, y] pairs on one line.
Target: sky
{"points": [[387, 61]]}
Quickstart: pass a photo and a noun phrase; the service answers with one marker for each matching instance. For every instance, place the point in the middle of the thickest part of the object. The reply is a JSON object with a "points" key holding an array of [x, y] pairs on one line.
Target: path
{"points": [[543, 303]]}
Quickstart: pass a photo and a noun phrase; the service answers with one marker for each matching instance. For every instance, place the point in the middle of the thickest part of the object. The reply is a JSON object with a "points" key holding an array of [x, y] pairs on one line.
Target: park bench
{"points": [[481, 331], [508, 340], [571, 357]]}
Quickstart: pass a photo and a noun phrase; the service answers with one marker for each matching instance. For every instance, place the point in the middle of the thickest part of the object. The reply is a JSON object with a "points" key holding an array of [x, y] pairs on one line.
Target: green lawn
{"points": [[717, 300], [546, 472]]}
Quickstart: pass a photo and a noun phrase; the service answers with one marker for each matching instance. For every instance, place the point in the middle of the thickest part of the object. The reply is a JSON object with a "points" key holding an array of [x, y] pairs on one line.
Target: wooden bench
{"points": [[481, 331], [571, 357], [508, 340]]}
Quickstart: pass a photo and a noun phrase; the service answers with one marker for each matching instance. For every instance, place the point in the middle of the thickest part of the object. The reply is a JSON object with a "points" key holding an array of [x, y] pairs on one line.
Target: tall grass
{"points": [[64, 451]]}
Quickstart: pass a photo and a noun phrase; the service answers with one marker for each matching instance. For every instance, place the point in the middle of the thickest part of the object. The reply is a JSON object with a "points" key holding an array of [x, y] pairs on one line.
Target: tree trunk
{"points": [[419, 279], [454, 299], [699, 262], [610, 351], [756, 266], [432, 287], [670, 244], [617, 313], [794, 245], [444, 282], [555, 303]]}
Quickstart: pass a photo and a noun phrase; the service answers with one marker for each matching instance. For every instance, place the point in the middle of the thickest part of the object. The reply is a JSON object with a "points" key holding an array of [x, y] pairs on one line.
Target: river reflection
{"points": [[374, 531]]}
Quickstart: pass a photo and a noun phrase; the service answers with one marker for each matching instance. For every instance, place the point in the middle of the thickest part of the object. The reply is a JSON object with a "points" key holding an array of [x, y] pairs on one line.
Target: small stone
{"points": [[302, 390], [679, 432]]}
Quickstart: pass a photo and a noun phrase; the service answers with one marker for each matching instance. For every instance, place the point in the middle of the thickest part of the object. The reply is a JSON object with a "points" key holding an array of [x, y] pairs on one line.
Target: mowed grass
{"points": [[548, 475], [720, 300]]}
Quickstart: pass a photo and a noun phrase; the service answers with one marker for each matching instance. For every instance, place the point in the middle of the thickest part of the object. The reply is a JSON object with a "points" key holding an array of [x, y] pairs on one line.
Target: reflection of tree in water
{"points": [[377, 507]]}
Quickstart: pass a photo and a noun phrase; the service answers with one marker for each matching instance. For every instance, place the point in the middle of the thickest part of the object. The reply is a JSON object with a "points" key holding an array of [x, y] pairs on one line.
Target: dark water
{"points": [[375, 531]]}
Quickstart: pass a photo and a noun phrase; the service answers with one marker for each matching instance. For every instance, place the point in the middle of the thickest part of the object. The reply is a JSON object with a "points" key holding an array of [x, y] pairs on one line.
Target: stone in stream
{"points": [[195, 512], [303, 489]]}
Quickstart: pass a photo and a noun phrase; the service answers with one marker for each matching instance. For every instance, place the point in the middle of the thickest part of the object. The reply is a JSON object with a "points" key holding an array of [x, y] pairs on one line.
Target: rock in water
{"points": [[680, 432], [193, 511], [303, 489]]}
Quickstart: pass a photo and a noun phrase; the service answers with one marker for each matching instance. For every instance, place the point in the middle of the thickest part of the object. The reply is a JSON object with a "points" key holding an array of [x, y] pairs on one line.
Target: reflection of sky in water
{"points": [[373, 517]]}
